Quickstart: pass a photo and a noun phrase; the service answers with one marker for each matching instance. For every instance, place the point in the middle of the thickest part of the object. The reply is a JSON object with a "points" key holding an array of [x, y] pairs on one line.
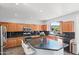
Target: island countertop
{"points": [[47, 44]]}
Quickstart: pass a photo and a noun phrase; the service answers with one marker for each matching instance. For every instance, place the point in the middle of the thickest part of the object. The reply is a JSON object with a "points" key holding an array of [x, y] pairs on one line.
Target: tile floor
{"points": [[19, 51], [15, 51]]}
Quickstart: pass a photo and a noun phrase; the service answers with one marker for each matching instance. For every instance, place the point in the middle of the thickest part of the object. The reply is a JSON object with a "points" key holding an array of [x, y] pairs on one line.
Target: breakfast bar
{"points": [[47, 46]]}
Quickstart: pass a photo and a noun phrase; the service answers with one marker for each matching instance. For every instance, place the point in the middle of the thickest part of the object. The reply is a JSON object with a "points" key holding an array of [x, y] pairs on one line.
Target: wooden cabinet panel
{"points": [[4, 24], [18, 42], [40, 28], [10, 43], [16, 27], [11, 27], [13, 42], [19, 27], [67, 26], [26, 25], [34, 27], [37, 28], [44, 27]]}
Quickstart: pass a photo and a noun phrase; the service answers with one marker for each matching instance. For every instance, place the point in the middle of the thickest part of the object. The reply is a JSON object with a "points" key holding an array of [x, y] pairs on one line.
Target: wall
{"points": [[22, 21], [76, 21]]}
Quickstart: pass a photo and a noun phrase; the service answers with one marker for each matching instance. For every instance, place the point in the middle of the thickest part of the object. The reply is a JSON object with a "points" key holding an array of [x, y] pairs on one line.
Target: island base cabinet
{"points": [[49, 52]]}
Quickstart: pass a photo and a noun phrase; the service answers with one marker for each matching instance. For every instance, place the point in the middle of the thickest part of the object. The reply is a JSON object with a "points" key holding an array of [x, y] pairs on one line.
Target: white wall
{"points": [[24, 21], [76, 21]]}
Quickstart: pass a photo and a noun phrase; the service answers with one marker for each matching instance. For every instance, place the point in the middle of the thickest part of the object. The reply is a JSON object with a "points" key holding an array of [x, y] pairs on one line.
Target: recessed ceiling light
{"points": [[41, 10], [15, 14], [31, 17], [17, 3], [68, 9], [24, 3]]}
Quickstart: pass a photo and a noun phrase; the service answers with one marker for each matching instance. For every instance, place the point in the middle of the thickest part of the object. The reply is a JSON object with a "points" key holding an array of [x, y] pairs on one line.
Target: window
{"points": [[55, 27]]}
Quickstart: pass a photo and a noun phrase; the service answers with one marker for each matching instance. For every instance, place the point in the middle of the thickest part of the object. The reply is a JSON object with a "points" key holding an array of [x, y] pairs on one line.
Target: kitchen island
{"points": [[48, 46], [45, 47]]}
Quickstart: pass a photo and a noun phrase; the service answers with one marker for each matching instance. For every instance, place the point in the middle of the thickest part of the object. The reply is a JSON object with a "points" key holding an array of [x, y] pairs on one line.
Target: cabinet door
{"points": [[19, 27], [37, 28], [40, 29], [10, 43], [18, 42], [4, 24], [44, 27], [11, 27], [67, 26], [13, 42], [34, 27]]}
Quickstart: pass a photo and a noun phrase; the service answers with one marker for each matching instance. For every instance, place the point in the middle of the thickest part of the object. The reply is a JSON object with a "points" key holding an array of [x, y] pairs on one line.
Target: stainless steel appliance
{"points": [[3, 37], [27, 34], [27, 47]]}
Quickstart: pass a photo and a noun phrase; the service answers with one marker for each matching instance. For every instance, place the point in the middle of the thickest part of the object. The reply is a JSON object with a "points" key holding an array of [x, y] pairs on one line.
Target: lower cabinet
{"points": [[13, 42], [18, 42]]}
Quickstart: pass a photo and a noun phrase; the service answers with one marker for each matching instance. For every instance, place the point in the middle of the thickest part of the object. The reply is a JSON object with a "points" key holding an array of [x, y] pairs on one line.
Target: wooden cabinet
{"points": [[37, 28], [10, 43], [67, 26], [11, 27], [34, 27], [44, 27], [16, 27], [13, 42], [18, 42], [4, 24]]}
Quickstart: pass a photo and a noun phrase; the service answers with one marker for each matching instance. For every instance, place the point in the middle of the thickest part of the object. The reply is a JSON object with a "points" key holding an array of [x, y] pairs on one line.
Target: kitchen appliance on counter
{"points": [[3, 37], [27, 47], [27, 34]]}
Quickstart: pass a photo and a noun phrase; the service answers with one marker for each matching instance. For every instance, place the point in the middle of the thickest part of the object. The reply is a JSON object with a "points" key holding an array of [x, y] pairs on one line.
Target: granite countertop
{"points": [[34, 36], [46, 44]]}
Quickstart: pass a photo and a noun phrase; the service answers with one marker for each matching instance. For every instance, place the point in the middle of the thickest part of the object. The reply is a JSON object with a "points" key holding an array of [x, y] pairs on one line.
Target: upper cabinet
{"points": [[19, 27], [67, 26], [12, 27], [16, 27], [44, 27]]}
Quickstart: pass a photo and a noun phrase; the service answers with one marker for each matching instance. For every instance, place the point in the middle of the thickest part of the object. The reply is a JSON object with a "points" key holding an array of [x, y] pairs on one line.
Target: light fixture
{"points": [[31, 17], [41, 10], [24, 3], [68, 10], [17, 3], [15, 14]]}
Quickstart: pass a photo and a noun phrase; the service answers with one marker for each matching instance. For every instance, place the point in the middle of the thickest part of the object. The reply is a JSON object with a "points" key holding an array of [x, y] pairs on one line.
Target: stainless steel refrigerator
{"points": [[3, 37]]}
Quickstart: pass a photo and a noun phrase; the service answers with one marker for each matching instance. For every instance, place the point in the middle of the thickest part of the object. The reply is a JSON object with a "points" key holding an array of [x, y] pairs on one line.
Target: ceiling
{"points": [[36, 11]]}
